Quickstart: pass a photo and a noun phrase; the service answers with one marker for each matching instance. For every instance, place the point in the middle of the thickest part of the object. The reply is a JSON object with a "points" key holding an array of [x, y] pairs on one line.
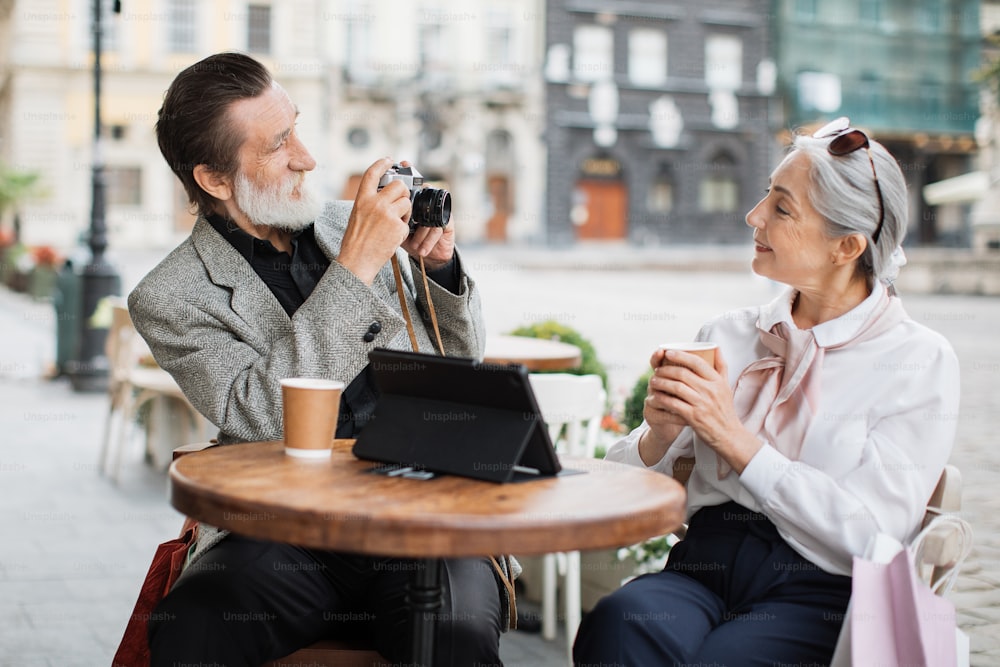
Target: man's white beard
{"points": [[276, 206]]}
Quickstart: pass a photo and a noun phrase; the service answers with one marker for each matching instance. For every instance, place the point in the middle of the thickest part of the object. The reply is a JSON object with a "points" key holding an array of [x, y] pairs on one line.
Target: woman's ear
{"points": [[849, 248], [216, 184]]}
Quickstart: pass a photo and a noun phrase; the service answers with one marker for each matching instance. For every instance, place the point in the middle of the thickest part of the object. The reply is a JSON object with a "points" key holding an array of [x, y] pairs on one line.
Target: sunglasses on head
{"points": [[844, 140]]}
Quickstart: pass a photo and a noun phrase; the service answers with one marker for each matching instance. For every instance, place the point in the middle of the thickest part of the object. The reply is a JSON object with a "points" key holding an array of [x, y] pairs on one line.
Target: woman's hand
{"points": [[686, 391]]}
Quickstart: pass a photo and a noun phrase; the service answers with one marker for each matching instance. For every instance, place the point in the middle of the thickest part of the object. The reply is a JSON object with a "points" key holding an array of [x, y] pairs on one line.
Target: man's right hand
{"points": [[379, 223]]}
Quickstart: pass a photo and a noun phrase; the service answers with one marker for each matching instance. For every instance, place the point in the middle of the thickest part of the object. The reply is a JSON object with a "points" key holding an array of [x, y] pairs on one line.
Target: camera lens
{"points": [[431, 207]]}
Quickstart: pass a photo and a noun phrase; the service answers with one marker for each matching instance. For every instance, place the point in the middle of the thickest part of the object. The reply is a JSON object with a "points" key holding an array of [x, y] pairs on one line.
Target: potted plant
{"points": [[16, 267], [552, 330], [44, 272]]}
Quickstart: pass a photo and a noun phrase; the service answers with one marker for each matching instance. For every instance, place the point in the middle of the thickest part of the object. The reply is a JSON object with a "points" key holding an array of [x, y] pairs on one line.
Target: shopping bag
{"points": [[895, 617], [168, 561]]}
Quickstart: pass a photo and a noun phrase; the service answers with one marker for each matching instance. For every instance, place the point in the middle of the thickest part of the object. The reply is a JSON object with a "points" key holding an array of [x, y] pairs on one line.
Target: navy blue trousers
{"points": [[248, 601], [733, 593]]}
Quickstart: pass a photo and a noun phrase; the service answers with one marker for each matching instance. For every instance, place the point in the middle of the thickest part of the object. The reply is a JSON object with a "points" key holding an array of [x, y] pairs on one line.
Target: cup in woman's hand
{"points": [[704, 350]]}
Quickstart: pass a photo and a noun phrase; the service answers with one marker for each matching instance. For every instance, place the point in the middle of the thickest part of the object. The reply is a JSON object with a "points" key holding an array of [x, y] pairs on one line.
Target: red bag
{"points": [[168, 561]]}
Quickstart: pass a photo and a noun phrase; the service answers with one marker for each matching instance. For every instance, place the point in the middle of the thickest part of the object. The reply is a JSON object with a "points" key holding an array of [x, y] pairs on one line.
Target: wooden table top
{"points": [[255, 489], [537, 354]]}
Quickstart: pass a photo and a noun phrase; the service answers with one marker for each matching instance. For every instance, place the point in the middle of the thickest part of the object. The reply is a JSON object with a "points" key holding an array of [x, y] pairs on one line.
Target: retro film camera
{"points": [[431, 206]]}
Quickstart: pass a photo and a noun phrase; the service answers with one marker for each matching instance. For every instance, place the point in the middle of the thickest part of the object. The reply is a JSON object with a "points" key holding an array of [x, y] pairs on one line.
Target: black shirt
{"points": [[293, 277]]}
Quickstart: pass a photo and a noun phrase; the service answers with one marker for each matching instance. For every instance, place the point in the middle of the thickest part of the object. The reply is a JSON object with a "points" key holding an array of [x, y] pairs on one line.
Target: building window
{"points": [[719, 191], [647, 57], [819, 91], [433, 56], [805, 10], [358, 137], [868, 96], [181, 26], [872, 12], [357, 45], [500, 66], [931, 94], [124, 186], [718, 194], [661, 192], [259, 28], [723, 62], [928, 16], [593, 53]]}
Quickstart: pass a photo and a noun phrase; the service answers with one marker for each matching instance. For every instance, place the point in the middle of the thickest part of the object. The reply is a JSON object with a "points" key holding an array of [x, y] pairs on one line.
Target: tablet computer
{"points": [[457, 416]]}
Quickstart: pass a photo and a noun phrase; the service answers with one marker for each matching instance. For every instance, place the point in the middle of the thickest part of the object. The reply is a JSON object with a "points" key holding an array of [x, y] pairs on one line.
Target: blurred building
{"points": [[981, 187], [657, 124], [453, 87], [901, 70]]}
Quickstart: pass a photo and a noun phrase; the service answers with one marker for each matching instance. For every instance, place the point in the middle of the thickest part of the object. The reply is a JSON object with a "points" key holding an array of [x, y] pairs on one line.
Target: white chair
{"points": [[572, 407], [130, 385], [943, 548]]}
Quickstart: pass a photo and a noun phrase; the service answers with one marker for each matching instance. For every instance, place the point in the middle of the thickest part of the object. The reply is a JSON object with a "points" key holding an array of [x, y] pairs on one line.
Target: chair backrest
{"points": [[572, 407], [120, 344], [947, 496], [943, 546]]}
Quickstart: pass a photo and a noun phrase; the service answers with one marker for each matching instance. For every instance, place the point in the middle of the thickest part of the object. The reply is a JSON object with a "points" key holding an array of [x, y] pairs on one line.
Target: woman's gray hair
{"points": [[843, 191]]}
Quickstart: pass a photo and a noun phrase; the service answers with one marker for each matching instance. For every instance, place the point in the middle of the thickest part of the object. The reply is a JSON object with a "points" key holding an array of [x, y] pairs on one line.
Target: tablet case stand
{"points": [[455, 416]]}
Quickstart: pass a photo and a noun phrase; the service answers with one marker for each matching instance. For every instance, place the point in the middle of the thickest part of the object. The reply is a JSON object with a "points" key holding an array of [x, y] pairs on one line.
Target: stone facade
{"points": [[673, 119]]}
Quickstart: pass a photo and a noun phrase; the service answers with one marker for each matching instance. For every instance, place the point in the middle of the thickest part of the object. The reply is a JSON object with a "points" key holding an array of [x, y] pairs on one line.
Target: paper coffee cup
{"points": [[703, 349], [310, 407]]}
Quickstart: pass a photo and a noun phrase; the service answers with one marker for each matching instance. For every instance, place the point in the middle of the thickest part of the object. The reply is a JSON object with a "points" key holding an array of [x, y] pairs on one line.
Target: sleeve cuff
{"points": [[448, 276], [626, 451], [764, 471]]}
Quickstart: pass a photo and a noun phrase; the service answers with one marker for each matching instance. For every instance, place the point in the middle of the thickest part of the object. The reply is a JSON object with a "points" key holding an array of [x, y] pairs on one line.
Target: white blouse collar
{"points": [[831, 332]]}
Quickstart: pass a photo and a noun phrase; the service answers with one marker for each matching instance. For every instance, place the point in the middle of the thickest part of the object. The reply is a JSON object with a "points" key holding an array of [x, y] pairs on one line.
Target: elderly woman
{"points": [[828, 417]]}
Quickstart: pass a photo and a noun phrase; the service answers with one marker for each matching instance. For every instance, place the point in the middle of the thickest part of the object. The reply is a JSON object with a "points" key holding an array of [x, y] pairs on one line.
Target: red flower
{"points": [[610, 423], [45, 256]]}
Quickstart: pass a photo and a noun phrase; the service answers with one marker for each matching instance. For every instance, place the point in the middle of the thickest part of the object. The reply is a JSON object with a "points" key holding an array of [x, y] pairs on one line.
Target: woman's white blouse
{"points": [[873, 452]]}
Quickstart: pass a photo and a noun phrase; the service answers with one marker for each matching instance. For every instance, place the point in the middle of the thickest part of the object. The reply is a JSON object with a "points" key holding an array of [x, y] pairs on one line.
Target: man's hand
{"points": [[435, 244], [378, 225]]}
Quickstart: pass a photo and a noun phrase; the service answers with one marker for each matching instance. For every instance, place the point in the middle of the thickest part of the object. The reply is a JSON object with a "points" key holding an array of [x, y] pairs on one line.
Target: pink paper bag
{"points": [[895, 617]]}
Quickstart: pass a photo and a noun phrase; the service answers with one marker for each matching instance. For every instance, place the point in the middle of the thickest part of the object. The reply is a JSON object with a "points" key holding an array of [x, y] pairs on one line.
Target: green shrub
{"points": [[635, 401], [552, 330]]}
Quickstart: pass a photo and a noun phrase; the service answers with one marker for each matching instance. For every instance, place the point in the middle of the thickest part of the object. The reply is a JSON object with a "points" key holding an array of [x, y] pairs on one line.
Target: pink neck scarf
{"points": [[778, 396]]}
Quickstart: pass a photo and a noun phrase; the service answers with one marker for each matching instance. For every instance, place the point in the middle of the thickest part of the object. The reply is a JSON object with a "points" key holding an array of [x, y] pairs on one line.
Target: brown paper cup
{"points": [[704, 350], [310, 407]]}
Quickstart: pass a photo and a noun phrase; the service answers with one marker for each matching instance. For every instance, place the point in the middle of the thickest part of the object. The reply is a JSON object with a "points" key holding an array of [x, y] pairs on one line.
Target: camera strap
{"points": [[400, 287]]}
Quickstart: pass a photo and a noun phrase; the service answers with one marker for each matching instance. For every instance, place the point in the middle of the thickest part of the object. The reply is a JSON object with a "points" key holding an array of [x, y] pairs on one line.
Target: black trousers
{"points": [[248, 601], [733, 593]]}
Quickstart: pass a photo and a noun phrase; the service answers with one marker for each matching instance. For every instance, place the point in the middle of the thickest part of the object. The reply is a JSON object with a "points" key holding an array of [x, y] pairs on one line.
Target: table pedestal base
{"points": [[424, 598]]}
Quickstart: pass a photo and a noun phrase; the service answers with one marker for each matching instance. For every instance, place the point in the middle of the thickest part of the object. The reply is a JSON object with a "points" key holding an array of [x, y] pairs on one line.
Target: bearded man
{"points": [[272, 284]]}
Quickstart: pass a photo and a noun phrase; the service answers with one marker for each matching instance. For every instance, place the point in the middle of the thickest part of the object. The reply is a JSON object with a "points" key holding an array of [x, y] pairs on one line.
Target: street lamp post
{"points": [[88, 371]]}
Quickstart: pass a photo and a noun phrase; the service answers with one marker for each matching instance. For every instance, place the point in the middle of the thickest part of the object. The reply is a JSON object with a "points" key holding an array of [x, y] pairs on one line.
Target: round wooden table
{"points": [[255, 489], [536, 354]]}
